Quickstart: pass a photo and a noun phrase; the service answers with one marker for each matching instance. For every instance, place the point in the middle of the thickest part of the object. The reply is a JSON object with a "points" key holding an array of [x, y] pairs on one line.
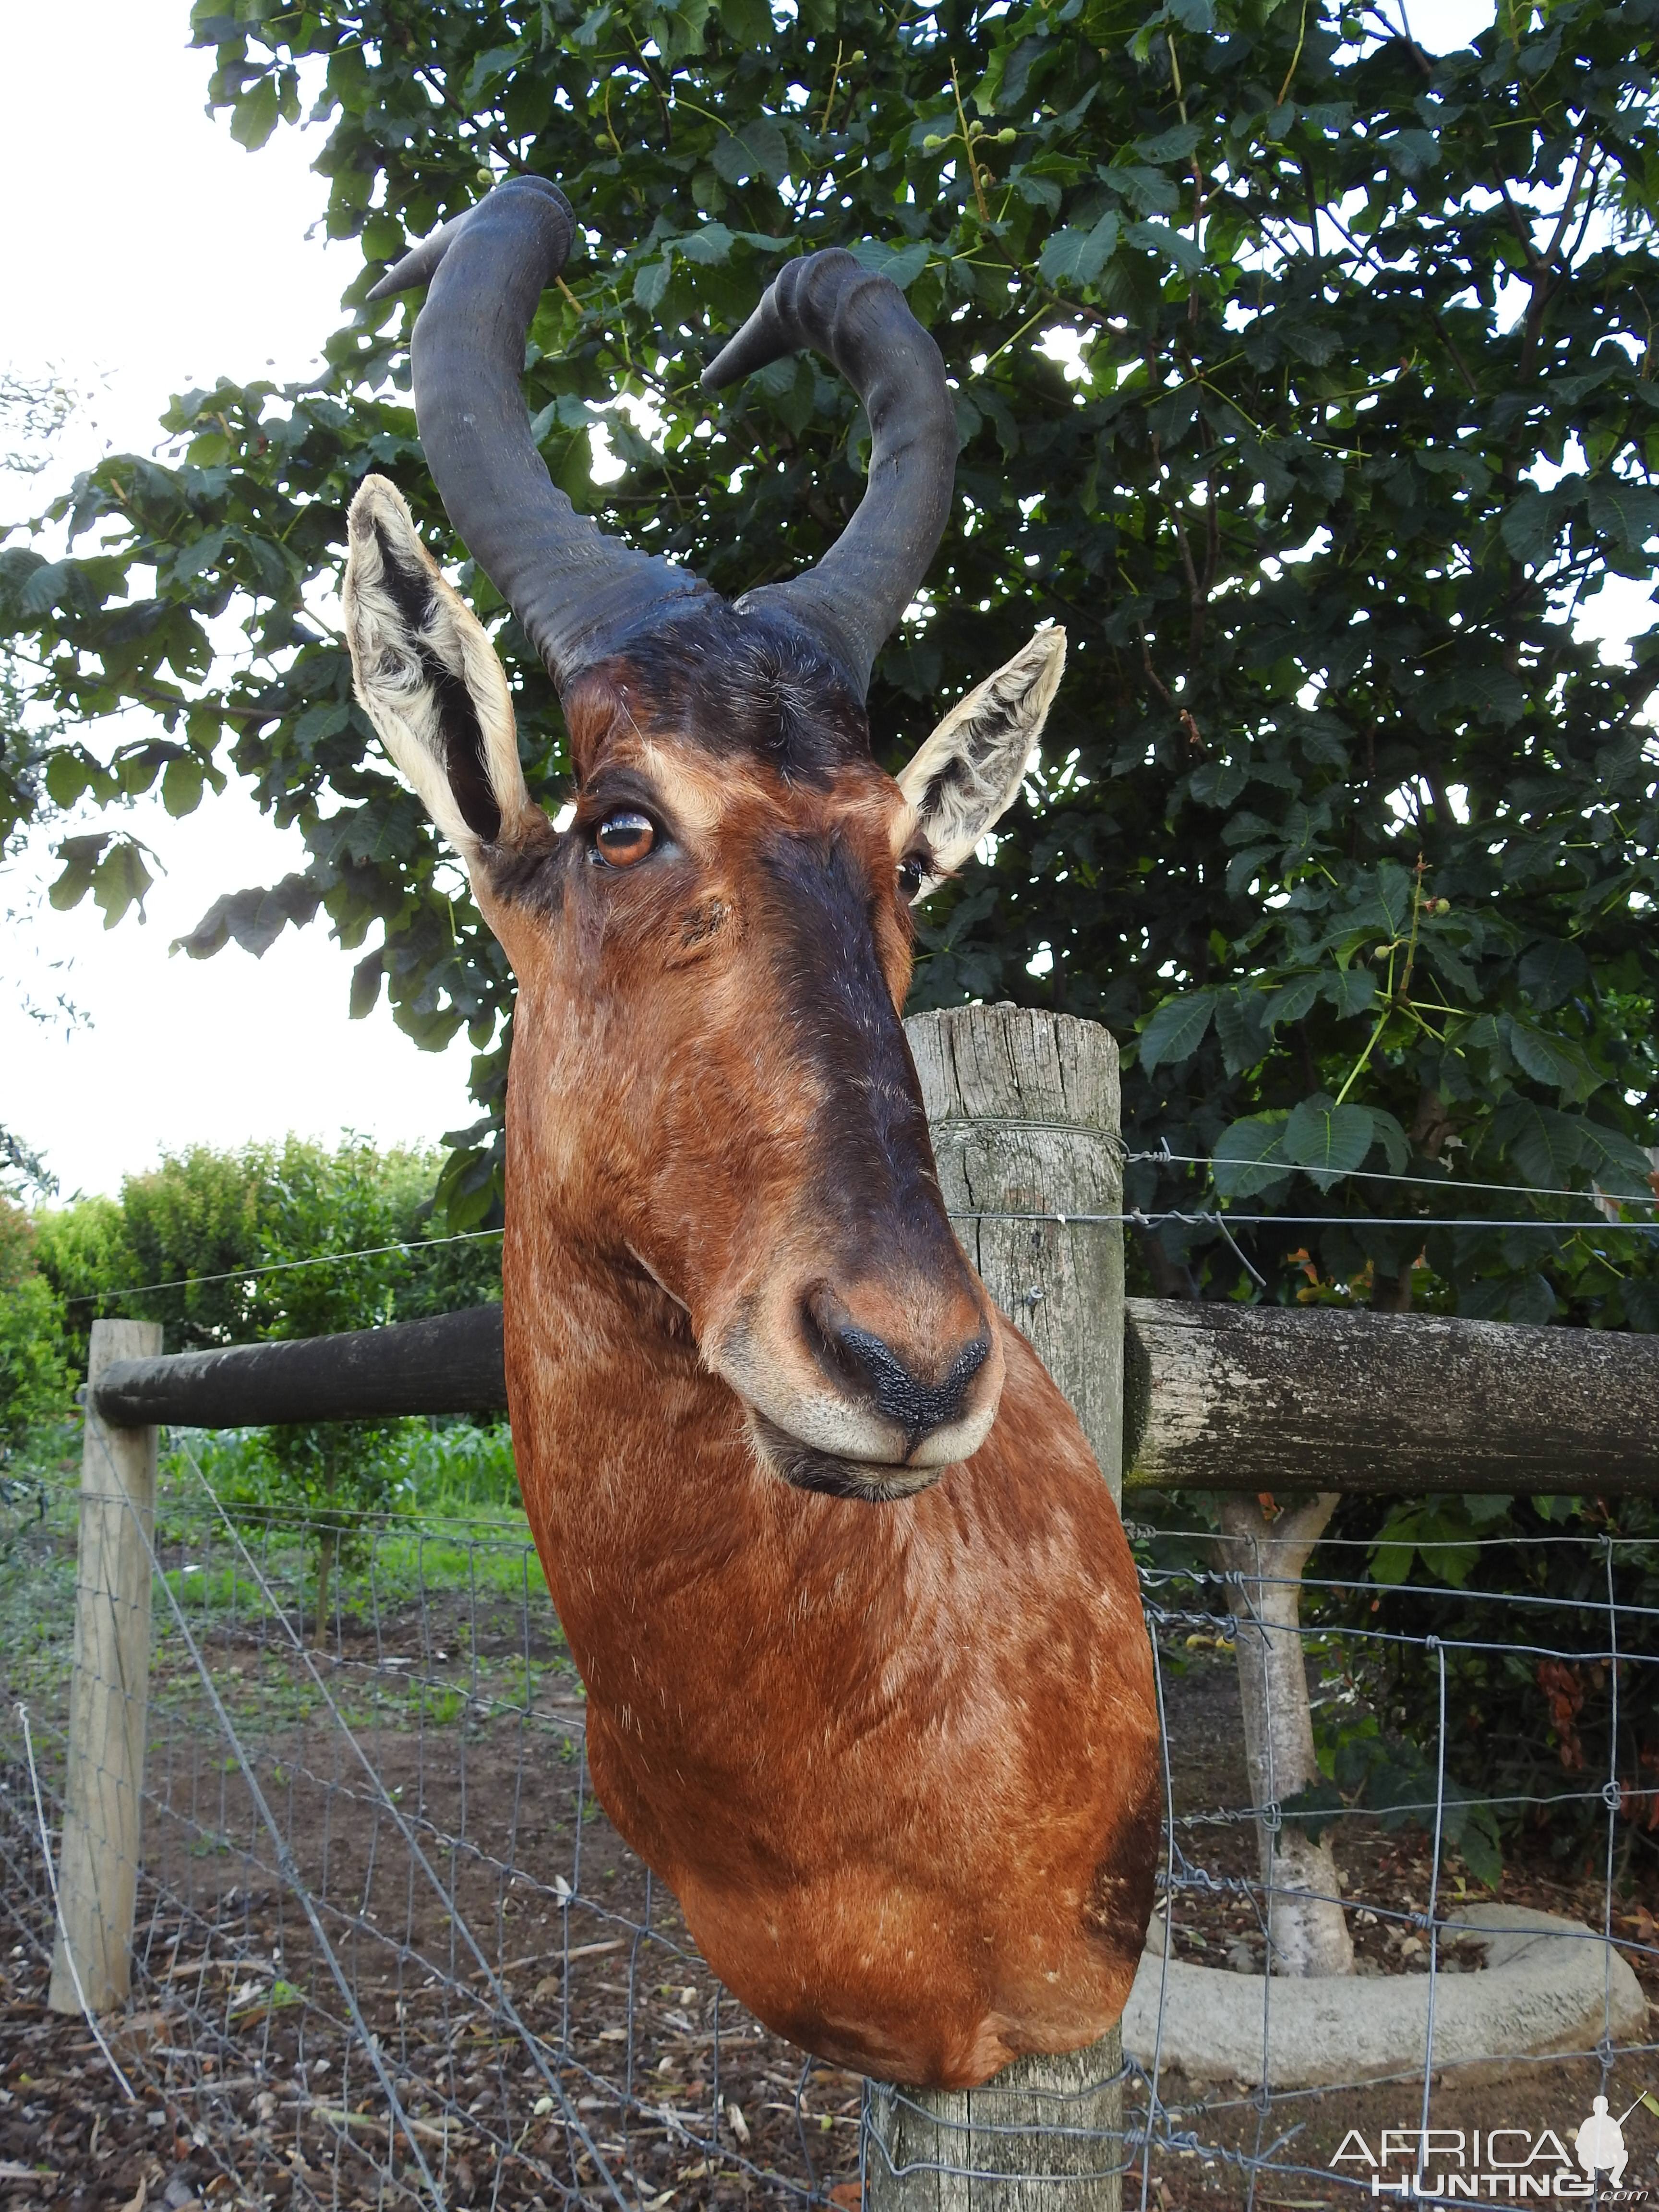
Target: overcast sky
{"points": [[162, 255], [145, 251]]}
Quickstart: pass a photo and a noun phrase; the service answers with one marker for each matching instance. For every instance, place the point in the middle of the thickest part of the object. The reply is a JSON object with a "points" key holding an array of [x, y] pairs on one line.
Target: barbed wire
{"points": [[1135, 1216], [1161, 1157], [1164, 1157], [286, 1266]]}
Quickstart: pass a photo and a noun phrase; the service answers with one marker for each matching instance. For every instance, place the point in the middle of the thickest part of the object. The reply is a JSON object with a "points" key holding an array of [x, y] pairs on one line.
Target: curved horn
{"points": [[855, 595], [575, 591]]}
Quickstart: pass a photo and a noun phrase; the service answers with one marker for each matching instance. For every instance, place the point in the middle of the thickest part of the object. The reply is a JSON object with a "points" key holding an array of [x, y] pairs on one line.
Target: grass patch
{"points": [[437, 1613]]}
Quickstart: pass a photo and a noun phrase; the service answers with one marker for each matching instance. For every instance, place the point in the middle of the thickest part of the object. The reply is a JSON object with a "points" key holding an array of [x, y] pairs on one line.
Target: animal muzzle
{"points": [[883, 1377], [864, 1394]]}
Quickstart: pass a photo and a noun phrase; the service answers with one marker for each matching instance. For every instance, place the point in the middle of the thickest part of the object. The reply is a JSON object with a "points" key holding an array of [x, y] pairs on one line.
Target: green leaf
{"points": [[1177, 144], [17, 564], [1392, 1562], [1292, 1002], [1553, 1059], [495, 63], [1477, 1838], [1248, 1157], [1411, 152], [1628, 512], [901, 264], [1241, 1028], [1385, 913], [650, 282], [1219, 783], [1351, 990], [57, 584], [1529, 527], [1175, 1031], [708, 247], [253, 918], [1547, 1145], [193, 560], [1313, 1809], [1553, 971], [257, 113], [1328, 1140], [1314, 342], [1076, 256], [1387, 1131], [1622, 1169], [1244, 867], [68, 774], [365, 979], [181, 785], [757, 149], [1172, 245], [80, 857], [120, 880], [747, 24], [326, 721]]}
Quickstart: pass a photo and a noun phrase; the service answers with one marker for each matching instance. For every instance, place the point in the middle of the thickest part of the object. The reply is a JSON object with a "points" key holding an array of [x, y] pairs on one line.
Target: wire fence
{"points": [[1604, 1204], [390, 1950]]}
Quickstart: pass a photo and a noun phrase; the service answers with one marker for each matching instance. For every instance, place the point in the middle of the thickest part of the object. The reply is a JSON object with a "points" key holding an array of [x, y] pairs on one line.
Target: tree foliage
{"points": [[1341, 826], [286, 1240], [1524, 1585], [34, 1373]]}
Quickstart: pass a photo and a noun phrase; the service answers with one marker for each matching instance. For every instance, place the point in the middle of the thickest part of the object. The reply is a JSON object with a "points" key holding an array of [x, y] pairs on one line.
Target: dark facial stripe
{"points": [[875, 1166]]}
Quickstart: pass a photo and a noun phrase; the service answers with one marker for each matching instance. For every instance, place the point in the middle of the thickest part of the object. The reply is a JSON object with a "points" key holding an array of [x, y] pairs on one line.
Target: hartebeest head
{"points": [[710, 1077]]}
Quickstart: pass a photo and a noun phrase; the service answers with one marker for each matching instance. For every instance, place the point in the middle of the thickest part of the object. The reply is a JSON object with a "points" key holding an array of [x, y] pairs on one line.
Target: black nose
{"points": [[868, 1367]]}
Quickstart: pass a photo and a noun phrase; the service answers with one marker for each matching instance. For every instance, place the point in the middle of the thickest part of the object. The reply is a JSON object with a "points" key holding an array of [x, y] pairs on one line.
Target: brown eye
{"points": [[624, 838], [912, 874]]}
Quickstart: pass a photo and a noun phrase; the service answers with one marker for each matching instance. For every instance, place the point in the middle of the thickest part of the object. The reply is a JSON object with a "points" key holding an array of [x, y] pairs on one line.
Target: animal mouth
{"points": [[804, 1466]]}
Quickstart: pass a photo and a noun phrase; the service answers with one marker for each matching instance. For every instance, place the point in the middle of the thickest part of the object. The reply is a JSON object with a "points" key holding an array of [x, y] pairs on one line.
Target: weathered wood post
{"points": [[1023, 1109], [109, 1687]]}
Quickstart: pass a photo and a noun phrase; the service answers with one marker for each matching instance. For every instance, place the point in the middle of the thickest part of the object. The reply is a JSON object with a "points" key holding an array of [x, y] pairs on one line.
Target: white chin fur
{"points": [[803, 1467]]}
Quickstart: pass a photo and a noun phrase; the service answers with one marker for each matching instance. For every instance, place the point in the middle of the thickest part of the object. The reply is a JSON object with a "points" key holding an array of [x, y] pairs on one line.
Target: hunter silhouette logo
{"points": [[1601, 2144]]}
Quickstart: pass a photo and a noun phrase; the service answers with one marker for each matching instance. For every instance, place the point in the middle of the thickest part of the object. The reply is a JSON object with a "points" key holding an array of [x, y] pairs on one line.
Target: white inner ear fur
{"points": [[964, 777], [392, 663]]}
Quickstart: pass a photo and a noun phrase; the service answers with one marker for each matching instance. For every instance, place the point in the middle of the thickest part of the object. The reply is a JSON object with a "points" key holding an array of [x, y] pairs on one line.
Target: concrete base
{"points": [[1548, 1985]]}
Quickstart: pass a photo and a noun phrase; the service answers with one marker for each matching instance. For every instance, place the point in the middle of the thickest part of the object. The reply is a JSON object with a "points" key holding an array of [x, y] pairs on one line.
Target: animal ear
{"points": [[965, 777], [428, 680]]}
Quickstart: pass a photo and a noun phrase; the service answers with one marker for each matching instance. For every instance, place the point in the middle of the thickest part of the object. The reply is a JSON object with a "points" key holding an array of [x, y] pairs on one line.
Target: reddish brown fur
{"points": [[897, 1761]]}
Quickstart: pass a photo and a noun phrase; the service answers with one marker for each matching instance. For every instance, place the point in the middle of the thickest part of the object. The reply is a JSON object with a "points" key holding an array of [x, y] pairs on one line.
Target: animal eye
{"points": [[623, 838], [912, 874]]}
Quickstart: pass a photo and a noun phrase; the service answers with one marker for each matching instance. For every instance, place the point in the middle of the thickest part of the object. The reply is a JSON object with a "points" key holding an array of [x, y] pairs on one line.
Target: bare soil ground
{"points": [[589, 2041], [541, 2014]]}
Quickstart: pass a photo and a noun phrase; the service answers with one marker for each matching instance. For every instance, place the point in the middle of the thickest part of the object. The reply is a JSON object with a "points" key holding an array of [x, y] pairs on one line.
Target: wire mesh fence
{"points": [[390, 1950]]}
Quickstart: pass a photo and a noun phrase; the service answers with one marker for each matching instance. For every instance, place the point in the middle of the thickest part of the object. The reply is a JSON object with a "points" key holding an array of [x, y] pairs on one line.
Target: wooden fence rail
{"points": [[1216, 1397]]}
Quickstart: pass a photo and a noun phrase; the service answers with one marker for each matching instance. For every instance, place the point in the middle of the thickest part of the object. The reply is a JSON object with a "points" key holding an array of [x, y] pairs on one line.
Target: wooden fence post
{"points": [[109, 1688], [1024, 1110]]}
